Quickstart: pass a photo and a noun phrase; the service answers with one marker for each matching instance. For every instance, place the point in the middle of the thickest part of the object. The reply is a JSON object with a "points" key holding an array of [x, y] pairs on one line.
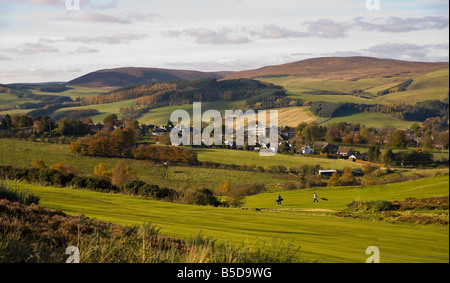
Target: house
{"points": [[345, 152], [307, 150], [159, 131], [326, 147]]}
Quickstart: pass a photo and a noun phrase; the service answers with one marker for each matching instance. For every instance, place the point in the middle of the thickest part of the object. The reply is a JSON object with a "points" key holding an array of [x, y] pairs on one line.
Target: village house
{"points": [[307, 150], [326, 147], [346, 152]]}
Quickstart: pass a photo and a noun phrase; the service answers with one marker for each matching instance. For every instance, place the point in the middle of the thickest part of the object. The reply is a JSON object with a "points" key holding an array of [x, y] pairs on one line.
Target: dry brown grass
{"points": [[345, 68]]}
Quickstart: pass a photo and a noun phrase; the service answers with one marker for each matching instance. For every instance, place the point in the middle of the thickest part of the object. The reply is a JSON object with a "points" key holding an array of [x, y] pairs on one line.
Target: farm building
{"points": [[327, 173]]}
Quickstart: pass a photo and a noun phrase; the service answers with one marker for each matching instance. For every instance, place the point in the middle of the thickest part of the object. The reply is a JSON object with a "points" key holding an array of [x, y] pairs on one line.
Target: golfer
{"points": [[279, 199], [315, 198]]}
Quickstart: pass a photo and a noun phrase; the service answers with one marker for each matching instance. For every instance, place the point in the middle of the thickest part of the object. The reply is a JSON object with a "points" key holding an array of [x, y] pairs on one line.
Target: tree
{"points": [[311, 132], [39, 164], [334, 181], [416, 129], [102, 171], [398, 140], [347, 178], [122, 173], [111, 120], [374, 154], [224, 188], [389, 157]]}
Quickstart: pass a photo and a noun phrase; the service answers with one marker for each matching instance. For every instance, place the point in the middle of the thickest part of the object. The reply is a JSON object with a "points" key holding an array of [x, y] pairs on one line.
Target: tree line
{"points": [[122, 143], [418, 112]]}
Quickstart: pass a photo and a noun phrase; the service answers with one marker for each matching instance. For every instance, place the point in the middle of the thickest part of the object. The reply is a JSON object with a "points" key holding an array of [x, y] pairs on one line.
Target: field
{"points": [[434, 85], [320, 235], [22, 153], [376, 120]]}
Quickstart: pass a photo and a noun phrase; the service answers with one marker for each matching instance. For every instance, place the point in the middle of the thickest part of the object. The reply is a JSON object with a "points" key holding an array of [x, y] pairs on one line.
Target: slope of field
{"points": [[376, 120], [344, 68], [431, 86], [338, 197], [293, 116], [320, 236], [110, 79], [73, 92], [240, 157]]}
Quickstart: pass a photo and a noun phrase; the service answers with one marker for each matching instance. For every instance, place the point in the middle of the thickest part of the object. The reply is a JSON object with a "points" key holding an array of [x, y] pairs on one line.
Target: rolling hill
{"points": [[110, 79], [344, 68]]}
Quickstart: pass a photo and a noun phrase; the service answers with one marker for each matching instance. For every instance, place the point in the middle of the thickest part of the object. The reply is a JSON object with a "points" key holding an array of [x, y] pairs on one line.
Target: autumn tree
{"points": [[122, 173], [103, 172], [398, 140], [334, 181], [39, 164]]}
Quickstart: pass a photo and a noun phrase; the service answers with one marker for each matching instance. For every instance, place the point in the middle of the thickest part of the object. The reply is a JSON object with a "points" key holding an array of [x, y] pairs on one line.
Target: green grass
{"points": [[240, 157], [376, 120], [434, 85], [339, 196], [22, 153], [9, 99], [322, 237], [74, 92]]}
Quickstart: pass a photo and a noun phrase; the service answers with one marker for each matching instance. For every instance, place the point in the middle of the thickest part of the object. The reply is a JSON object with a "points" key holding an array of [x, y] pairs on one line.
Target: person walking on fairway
{"points": [[279, 199], [315, 198]]}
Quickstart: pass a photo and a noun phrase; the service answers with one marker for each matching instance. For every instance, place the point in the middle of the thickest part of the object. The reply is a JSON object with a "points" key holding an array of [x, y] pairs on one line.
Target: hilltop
{"points": [[344, 68], [109, 79]]}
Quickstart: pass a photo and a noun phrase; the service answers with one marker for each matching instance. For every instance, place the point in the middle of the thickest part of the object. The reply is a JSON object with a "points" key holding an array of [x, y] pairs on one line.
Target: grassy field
{"points": [[22, 153], [320, 235], [376, 120], [339, 196], [239, 157], [434, 85], [74, 92]]}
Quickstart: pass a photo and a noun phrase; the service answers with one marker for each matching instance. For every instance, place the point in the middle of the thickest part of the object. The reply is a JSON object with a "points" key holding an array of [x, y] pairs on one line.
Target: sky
{"points": [[53, 40]]}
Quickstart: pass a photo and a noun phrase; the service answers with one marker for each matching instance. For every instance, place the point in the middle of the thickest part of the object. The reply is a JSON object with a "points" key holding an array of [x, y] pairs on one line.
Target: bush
{"points": [[381, 205], [60, 179]]}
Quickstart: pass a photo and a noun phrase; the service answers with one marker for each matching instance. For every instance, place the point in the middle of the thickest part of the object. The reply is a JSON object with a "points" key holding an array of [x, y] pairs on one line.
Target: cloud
{"points": [[83, 3], [92, 16], [408, 51], [396, 24], [275, 32], [85, 50], [327, 28], [112, 39], [35, 75], [206, 36], [32, 48], [321, 28], [3, 58]]}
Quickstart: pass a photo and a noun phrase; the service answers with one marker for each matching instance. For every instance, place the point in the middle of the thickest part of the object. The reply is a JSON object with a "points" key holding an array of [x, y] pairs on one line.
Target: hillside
{"points": [[344, 68], [110, 79]]}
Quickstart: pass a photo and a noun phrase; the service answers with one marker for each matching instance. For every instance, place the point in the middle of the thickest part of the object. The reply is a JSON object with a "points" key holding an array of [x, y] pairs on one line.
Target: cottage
{"points": [[326, 147], [307, 150], [345, 152]]}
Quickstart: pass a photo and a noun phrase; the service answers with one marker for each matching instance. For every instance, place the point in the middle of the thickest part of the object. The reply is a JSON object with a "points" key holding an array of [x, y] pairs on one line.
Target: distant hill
{"points": [[110, 79], [344, 68]]}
